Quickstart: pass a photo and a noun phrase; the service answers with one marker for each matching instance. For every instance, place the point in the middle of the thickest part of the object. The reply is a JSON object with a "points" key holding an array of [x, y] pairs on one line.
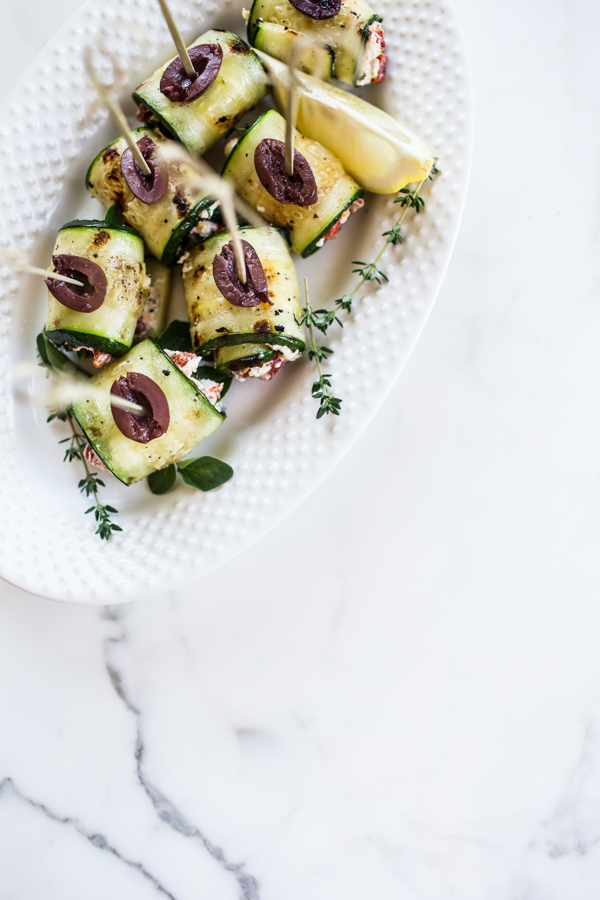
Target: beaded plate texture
{"points": [[49, 132]]}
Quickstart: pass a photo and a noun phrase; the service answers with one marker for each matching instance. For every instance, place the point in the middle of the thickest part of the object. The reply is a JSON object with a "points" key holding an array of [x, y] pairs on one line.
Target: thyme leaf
{"points": [[369, 271], [394, 235]]}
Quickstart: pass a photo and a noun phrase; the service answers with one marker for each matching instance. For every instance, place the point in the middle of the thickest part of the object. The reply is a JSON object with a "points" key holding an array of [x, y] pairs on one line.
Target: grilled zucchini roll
{"points": [[231, 80], [153, 320], [165, 208], [349, 27], [248, 329], [100, 314], [176, 416], [312, 203]]}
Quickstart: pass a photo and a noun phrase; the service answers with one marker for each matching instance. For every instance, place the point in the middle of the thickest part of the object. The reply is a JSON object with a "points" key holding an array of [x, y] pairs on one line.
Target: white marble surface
{"points": [[395, 695]]}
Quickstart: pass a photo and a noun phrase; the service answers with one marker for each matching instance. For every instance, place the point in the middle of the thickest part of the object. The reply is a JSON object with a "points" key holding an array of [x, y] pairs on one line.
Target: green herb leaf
{"points": [[113, 217], [207, 372], [89, 485], [41, 342], [409, 200], [61, 415], [55, 359], [205, 473], [319, 352], [393, 235], [345, 303], [60, 362], [324, 318], [328, 405], [369, 271], [176, 336], [162, 481], [71, 453]]}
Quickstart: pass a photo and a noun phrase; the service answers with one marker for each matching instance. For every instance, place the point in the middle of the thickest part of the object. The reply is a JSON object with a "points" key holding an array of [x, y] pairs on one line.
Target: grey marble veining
{"points": [[165, 808]]}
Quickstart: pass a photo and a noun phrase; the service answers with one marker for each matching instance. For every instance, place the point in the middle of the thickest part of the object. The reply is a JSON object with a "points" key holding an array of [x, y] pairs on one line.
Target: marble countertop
{"points": [[404, 701]]}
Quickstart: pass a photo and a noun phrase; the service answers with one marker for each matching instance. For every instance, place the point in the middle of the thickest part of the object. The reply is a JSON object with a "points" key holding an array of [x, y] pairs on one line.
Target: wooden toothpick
{"points": [[33, 270], [178, 40], [114, 108], [14, 260], [228, 209], [67, 389], [291, 114]]}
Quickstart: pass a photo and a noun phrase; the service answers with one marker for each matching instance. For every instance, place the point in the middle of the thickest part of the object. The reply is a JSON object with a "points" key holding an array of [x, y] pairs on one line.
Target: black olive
{"points": [[225, 273], [176, 84], [318, 9], [269, 162], [148, 425], [92, 293], [147, 188]]}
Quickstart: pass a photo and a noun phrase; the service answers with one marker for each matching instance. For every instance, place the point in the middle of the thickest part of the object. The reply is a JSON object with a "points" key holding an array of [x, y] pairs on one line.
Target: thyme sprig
{"points": [[320, 388], [371, 271], [323, 319], [56, 361], [409, 199], [90, 484]]}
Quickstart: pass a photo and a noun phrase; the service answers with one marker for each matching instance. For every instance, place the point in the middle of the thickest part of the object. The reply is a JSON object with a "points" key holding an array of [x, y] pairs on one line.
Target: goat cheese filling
{"points": [[188, 363], [374, 61], [332, 233], [269, 369]]}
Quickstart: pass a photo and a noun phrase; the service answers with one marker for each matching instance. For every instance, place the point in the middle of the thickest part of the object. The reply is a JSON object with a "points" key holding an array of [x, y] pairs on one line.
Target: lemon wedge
{"points": [[377, 151]]}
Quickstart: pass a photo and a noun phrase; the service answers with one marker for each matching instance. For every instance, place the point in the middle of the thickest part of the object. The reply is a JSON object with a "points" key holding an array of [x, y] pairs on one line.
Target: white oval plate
{"points": [[280, 452]]}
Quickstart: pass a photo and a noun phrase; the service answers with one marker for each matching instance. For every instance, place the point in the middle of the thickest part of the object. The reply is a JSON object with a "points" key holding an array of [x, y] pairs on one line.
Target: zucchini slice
{"points": [[119, 253], [164, 224], [239, 337], [192, 416], [307, 226], [239, 85], [347, 33], [279, 41], [153, 320]]}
